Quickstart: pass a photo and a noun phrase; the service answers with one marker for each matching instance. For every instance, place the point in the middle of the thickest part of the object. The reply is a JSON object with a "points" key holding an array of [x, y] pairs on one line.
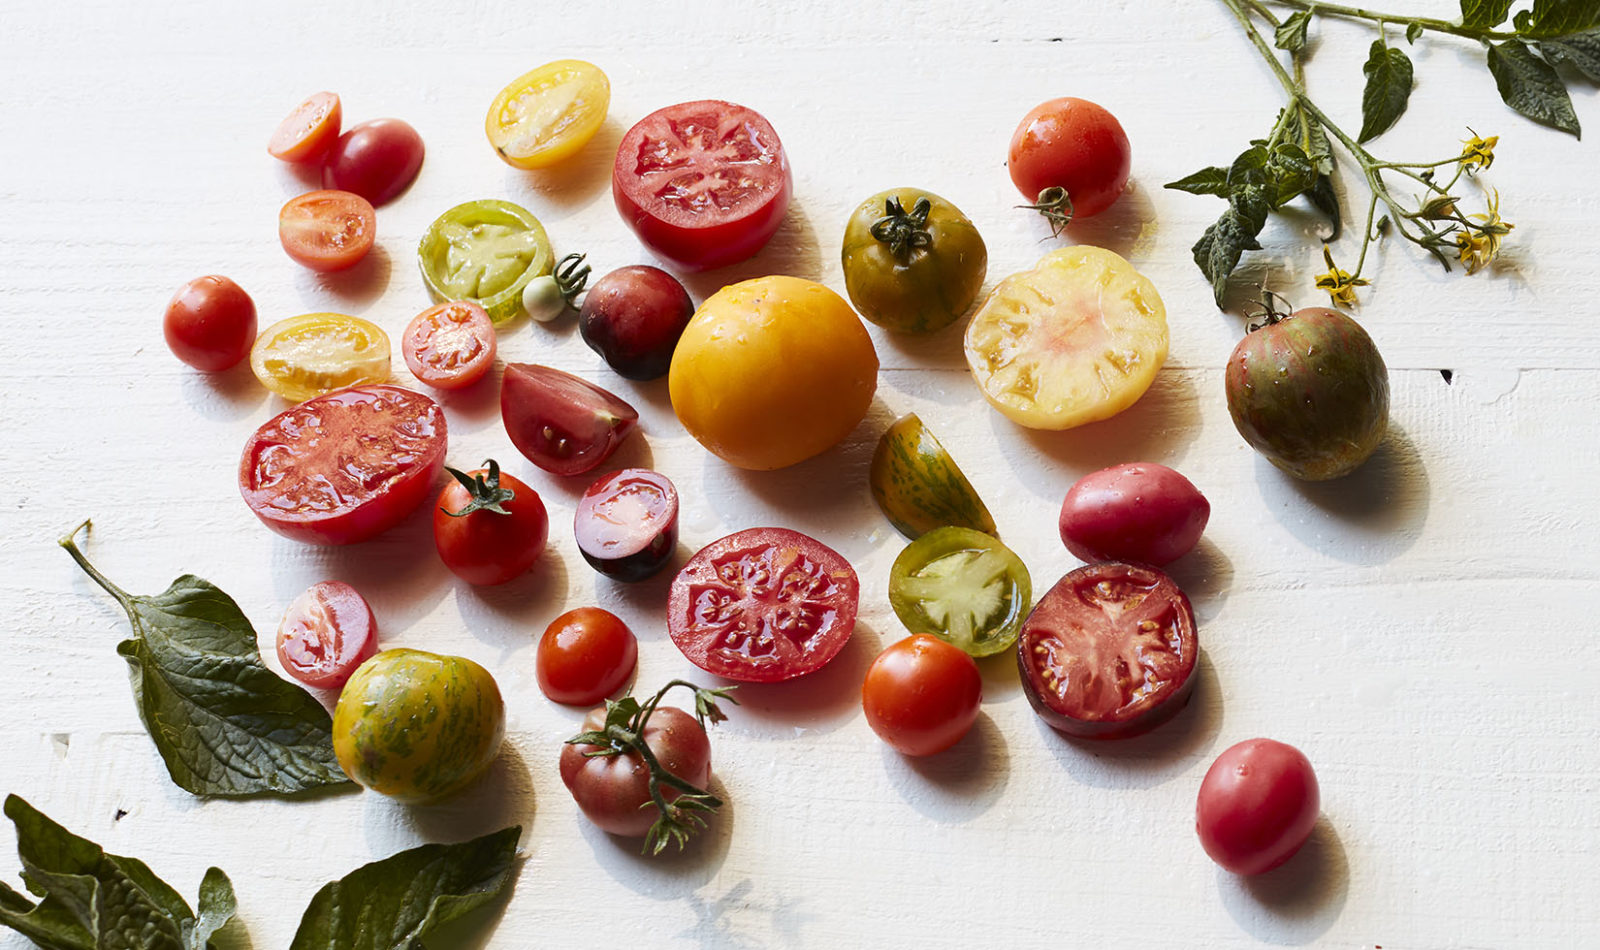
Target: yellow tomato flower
{"points": [[1479, 151], [1479, 243], [1339, 284]]}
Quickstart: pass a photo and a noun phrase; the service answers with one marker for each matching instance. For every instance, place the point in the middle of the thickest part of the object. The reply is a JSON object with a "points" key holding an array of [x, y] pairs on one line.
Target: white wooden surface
{"points": [[1423, 630]]}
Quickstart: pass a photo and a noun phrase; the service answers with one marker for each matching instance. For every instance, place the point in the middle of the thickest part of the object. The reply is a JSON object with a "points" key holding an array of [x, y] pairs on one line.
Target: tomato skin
{"points": [[526, 134], [486, 548], [585, 655], [928, 285], [1073, 144], [1257, 806], [919, 487], [451, 345], [626, 523], [613, 791], [210, 323], [325, 634], [633, 317], [921, 695], [963, 587], [1138, 511], [307, 133], [327, 231], [562, 423], [376, 160]]}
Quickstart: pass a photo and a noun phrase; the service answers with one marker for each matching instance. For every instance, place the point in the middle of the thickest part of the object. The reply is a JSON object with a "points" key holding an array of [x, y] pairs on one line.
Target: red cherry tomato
{"points": [[1136, 512], [325, 634], [921, 695], [1075, 145], [1257, 806], [450, 346], [343, 467], [1109, 652], [613, 791], [584, 656], [763, 605], [627, 523], [307, 132], [210, 323], [703, 184], [377, 160], [327, 230], [490, 527]]}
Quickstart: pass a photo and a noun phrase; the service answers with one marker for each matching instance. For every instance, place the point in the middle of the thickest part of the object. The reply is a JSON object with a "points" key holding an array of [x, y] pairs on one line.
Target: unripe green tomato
{"points": [[912, 267]]}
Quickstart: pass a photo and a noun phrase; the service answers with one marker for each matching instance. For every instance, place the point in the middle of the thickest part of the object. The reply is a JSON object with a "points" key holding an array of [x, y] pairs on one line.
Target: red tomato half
{"points": [[763, 605], [343, 467], [703, 184], [1072, 144], [450, 346], [1109, 652], [210, 323], [1257, 806], [325, 634], [327, 230], [585, 655], [307, 132], [921, 695], [377, 160]]}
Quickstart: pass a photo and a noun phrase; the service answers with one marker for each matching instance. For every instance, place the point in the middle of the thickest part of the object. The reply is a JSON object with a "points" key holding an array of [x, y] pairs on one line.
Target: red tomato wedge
{"points": [[346, 466], [325, 634], [763, 605], [562, 423], [450, 346], [306, 133], [703, 184]]}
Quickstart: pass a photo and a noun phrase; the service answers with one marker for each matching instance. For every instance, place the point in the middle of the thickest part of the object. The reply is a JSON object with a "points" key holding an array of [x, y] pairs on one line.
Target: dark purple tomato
{"points": [[376, 160], [562, 423], [627, 523], [633, 317], [1139, 511], [1257, 806]]}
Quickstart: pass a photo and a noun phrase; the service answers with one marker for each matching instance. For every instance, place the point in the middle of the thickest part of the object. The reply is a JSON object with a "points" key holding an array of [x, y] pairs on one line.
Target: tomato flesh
{"points": [[325, 634], [487, 252], [307, 133], [962, 586], [921, 695], [450, 346], [327, 230], [316, 353], [1257, 806], [562, 423], [210, 323], [546, 115], [585, 655], [627, 523], [376, 160]]}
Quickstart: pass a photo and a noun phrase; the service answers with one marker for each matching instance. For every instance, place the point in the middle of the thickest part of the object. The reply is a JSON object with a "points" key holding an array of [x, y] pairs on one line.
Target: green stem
{"points": [[122, 596], [1294, 90], [1427, 23], [1366, 235]]}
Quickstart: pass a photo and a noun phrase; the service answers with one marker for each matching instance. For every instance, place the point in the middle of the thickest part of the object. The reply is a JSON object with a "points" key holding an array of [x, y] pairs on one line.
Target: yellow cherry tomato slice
{"points": [[546, 115], [1077, 339], [315, 353]]}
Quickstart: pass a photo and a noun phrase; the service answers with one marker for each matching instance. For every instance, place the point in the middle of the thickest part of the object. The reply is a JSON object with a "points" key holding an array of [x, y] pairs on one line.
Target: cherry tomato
{"points": [[210, 323], [763, 605], [1257, 806], [613, 791], [307, 133], [450, 346], [627, 523], [1139, 511], [327, 230], [316, 353], [633, 318], [325, 634], [545, 116], [1109, 652], [377, 160], [489, 527], [343, 467], [703, 184], [562, 423], [1075, 146], [584, 656], [921, 695]]}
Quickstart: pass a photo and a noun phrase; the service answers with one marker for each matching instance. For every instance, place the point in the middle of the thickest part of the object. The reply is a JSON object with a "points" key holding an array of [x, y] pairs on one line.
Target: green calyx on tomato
{"points": [[918, 485], [962, 586], [912, 271], [485, 490], [487, 252]]}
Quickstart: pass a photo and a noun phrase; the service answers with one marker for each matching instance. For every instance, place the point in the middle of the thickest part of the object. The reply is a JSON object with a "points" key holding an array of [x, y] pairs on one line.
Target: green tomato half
{"points": [[487, 252], [962, 586], [913, 263]]}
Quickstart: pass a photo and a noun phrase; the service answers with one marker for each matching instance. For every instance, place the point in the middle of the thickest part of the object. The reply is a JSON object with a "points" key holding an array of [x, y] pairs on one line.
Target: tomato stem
{"points": [[903, 230], [484, 491], [1056, 206], [67, 542], [571, 275]]}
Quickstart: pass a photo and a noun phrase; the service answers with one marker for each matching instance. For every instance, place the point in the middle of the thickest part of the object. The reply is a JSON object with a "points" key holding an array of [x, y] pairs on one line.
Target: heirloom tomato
{"points": [[451, 345], [489, 527], [562, 423], [1140, 512], [627, 523], [613, 790], [918, 486], [1070, 158], [912, 261], [210, 323], [547, 114], [376, 160], [486, 252], [633, 317], [962, 586], [1257, 806], [316, 353], [921, 695]]}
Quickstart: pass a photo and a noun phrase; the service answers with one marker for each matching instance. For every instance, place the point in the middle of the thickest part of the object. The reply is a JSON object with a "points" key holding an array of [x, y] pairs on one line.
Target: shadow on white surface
{"points": [[1296, 903], [1204, 574], [501, 797], [471, 410], [644, 598], [573, 183], [808, 493], [793, 250], [1001, 681], [352, 290], [512, 615], [672, 874], [227, 396], [720, 921], [940, 349], [1128, 227], [818, 702], [958, 784]]}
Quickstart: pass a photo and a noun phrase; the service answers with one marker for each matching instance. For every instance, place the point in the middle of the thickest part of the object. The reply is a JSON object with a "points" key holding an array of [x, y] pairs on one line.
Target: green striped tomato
{"points": [[918, 486]]}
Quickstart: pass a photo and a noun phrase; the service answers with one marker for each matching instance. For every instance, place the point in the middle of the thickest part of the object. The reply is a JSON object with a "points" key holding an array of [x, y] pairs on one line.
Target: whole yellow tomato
{"points": [[772, 371]]}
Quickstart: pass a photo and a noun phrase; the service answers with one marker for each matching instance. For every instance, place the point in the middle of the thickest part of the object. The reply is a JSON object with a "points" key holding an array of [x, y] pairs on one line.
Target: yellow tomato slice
{"points": [[315, 353], [1077, 339], [546, 115]]}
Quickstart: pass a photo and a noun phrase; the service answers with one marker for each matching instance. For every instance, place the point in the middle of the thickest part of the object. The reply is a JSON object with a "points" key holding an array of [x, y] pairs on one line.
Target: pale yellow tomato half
{"points": [[546, 115], [1077, 339], [315, 353]]}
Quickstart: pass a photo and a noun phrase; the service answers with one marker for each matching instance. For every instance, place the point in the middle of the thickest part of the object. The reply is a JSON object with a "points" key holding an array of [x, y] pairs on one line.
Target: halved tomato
{"points": [[306, 133], [451, 345], [962, 586], [484, 251], [548, 114], [316, 353], [560, 422], [327, 230]]}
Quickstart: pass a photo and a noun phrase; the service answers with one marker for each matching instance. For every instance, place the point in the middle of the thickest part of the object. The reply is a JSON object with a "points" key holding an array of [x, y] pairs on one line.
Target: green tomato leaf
{"points": [[1413, 33], [1291, 34], [1206, 181], [1218, 251], [1483, 14], [1323, 197], [394, 903], [223, 723], [1383, 101], [1530, 85], [90, 900], [1558, 18], [1582, 50], [1313, 141]]}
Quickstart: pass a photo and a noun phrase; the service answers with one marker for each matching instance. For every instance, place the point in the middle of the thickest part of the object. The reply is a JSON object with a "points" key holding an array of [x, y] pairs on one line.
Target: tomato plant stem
{"points": [[67, 542], [1385, 19]]}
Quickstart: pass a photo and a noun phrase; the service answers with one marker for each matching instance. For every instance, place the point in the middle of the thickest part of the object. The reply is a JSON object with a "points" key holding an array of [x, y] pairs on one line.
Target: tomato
{"points": [[1071, 158], [918, 485], [562, 423], [1257, 806], [327, 230], [913, 262], [627, 523], [584, 656], [376, 160], [316, 353], [633, 317], [962, 586], [1109, 652], [921, 695], [307, 133], [613, 791], [763, 605], [451, 345], [418, 726], [1077, 339], [703, 184], [325, 634], [486, 252], [210, 323], [343, 467], [772, 371], [1139, 511], [1310, 392], [546, 115], [489, 527]]}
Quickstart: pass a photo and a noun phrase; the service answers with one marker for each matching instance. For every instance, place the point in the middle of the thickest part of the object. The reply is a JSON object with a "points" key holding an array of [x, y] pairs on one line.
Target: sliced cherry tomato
{"points": [[376, 160], [548, 114], [1139, 511], [562, 423], [962, 586], [1071, 158], [325, 634], [627, 523], [913, 262], [210, 323], [1109, 652], [703, 184], [307, 133], [346, 466], [584, 656], [484, 251], [921, 695], [489, 527], [327, 230], [1257, 806], [451, 345], [763, 605], [316, 353]]}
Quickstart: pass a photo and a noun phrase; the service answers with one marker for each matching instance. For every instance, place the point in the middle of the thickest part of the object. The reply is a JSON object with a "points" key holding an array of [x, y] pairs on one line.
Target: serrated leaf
{"points": [[1218, 251], [1413, 33], [1291, 33], [1558, 18], [1484, 14], [1530, 85], [1383, 101], [1581, 50], [1206, 181]]}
